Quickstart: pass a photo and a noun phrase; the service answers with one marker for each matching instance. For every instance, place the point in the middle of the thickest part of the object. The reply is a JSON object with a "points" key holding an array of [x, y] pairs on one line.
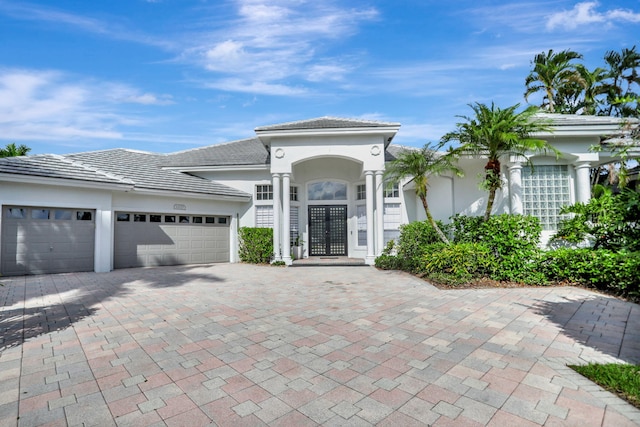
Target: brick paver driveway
{"points": [[232, 344]]}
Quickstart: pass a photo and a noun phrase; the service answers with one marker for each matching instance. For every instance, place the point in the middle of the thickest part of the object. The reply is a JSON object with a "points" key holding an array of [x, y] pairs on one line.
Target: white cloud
{"points": [[271, 44], [49, 105], [586, 13]]}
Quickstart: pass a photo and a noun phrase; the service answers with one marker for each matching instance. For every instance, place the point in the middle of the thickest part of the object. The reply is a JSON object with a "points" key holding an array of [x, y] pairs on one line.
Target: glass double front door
{"points": [[328, 230]]}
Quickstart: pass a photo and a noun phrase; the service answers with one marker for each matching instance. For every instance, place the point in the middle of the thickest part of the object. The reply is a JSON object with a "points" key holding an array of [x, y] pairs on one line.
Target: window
{"points": [[294, 225], [222, 220], [197, 220], [264, 192], [84, 215], [545, 189], [361, 213], [155, 218], [328, 190], [139, 218], [184, 219], [39, 213], [210, 220], [391, 220], [293, 194], [361, 192], [391, 190], [264, 216], [64, 215], [170, 218], [17, 213]]}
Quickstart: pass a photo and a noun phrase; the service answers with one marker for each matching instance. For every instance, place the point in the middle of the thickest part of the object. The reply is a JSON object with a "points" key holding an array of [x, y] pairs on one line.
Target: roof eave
{"points": [[193, 195], [63, 182], [254, 167], [388, 132]]}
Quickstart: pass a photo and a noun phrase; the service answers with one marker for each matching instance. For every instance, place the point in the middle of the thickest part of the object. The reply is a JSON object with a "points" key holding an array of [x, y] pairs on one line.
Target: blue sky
{"points": [[169, 75]]}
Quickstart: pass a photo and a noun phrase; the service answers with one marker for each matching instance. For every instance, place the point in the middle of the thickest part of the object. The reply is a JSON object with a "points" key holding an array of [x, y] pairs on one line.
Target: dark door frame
{"points": [[327, 230]]}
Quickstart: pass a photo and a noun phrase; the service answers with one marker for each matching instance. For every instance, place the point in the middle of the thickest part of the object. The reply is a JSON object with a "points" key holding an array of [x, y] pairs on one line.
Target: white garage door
{"points": [[43, 240], [145, 240]]}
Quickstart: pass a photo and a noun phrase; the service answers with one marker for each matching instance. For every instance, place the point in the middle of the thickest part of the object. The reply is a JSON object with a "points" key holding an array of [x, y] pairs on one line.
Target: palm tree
{"points": [[11, 150], [496, 132], [593, 85], [622, 68], [551, 71], [418, 165]]}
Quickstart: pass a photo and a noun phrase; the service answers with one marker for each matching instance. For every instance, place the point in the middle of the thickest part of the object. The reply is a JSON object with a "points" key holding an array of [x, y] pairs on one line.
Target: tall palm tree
{"points": [[551, 71], [418, 166], [593, 85], [495, 132], [622, 74], [11, 150]]}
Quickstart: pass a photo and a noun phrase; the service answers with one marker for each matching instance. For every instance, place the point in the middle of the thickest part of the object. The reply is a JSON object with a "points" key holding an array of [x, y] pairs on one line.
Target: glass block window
{"points": [[264, 216], [545, 189], [264, 192], [293, 194], [391, 220], [391, 190], [361, 214], [361, 192]]}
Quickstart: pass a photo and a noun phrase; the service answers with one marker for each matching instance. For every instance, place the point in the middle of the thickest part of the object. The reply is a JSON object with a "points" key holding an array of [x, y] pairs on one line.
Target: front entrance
{"points": [[328, 230]]}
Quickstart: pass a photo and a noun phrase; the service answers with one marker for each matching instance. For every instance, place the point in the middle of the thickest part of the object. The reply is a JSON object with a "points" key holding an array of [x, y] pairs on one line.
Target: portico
{"points": [[336, 169]]}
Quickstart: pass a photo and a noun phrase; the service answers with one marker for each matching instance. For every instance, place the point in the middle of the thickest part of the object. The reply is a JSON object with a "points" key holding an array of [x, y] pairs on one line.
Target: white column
{"points": [[379, 213], [583, 182], [370, 259], [277, 255], [286, 218], [515, 188]]}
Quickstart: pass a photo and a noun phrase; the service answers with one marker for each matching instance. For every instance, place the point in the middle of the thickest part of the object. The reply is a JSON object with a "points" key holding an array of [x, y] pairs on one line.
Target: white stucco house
{"points": [[320, 180]]}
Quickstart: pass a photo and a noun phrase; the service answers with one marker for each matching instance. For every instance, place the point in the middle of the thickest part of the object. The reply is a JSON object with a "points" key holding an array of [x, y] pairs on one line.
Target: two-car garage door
{"points": [[151, 239]]}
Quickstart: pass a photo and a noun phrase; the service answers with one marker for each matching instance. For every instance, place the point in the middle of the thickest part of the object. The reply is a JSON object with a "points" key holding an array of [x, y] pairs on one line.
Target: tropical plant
{"points": [[418, 166], [622, 77], [495, 132], [550, 73], [13, 150]]}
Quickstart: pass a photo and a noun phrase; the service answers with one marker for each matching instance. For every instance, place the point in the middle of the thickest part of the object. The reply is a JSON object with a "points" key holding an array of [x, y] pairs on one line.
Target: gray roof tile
{"points": [[145, 171], [326, 123], [234, 153], [54, 166]]}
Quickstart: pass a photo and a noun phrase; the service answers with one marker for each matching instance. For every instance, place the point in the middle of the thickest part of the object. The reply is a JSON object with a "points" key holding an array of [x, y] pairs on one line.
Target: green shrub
{"points": [[413, 241], [256, 245], [458, 263], [606, 270], [512, 239]]}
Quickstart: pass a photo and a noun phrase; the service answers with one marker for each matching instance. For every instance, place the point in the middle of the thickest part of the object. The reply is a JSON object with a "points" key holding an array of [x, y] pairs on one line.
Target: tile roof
{"points": [[54, 166], [235, 153], [326, 123], [145, 171]]}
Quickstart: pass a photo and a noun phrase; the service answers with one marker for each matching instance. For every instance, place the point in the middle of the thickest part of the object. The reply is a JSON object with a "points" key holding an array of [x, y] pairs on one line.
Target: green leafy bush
{"points": [[458, 263], [512, 239], [611, 220], [256, 245], [413, 241], [603, 269]]}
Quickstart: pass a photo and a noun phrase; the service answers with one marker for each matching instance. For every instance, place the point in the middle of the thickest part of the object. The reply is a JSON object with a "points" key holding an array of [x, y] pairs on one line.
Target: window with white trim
{"points": [[361, 214], [391, 220], [391, 190], [361, 192], [264, 216], [264, 192], [293, 193], [545, 189]]}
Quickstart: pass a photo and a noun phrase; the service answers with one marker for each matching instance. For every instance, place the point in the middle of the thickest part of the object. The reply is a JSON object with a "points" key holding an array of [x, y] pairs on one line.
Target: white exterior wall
{"points": [[69, 197]]}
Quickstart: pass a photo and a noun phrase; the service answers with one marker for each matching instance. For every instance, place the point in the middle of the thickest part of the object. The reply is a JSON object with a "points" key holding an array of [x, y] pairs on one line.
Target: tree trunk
{"points": [[433, 223], [492, 197]]}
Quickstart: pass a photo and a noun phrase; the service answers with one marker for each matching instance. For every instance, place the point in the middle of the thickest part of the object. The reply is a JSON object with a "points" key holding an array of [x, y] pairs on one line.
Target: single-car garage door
{"points": [[145, 240], [43, 240]]}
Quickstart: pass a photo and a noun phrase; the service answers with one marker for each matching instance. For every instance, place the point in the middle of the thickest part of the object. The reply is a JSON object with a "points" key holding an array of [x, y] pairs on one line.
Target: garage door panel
{"points": [[151, 244]]}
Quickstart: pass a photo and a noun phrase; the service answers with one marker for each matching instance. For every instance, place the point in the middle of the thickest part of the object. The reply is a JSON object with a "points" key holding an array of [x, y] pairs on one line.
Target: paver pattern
{"points": [[243, 345]]}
